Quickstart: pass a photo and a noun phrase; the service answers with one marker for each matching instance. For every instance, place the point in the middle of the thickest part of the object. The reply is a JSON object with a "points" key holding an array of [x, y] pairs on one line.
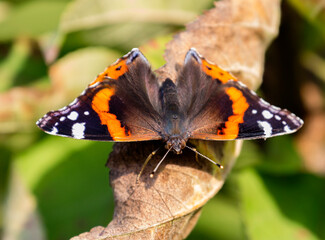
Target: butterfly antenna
{"points": [[146, 162], [153, 172], [194, 150]]}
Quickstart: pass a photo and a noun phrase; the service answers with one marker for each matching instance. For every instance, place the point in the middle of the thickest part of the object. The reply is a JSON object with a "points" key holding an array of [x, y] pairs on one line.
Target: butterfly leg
{"points": [[145, 164]]}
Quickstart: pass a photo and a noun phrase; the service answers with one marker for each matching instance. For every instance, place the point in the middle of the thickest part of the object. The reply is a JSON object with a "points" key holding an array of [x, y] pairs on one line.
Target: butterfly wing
{"points": [[120, 105], [221, 108]]}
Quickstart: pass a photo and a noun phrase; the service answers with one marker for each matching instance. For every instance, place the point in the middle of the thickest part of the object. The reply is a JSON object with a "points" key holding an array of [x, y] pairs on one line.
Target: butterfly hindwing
{"points": [[117, 106]]}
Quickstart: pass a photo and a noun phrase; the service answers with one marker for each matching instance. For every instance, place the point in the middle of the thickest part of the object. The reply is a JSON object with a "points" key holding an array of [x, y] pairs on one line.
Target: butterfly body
{"points": [[175, 134], [127, 103]]}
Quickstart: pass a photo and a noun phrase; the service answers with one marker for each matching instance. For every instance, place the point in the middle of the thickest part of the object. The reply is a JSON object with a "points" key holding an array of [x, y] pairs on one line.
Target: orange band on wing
{"points": [[113, 72], [216, 73], [100, 104], [239, 108]]}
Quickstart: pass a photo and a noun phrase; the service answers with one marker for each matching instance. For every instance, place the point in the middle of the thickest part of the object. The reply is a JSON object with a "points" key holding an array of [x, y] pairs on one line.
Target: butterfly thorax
{"points": [[175, 134]]}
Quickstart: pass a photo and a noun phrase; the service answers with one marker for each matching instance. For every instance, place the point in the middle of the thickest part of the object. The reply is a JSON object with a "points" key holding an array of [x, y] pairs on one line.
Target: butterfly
{"points": [[127, 103]]}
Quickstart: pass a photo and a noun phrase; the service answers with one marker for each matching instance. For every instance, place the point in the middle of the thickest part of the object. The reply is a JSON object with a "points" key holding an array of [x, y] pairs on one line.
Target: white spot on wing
{"points": [[62, 118], [73, 115], [287, 129], [277, 117], [263, 102], [254, 111], [284, 123], [74, 102], [78, 130], [241, 84], [86, 113], [97, 83], [267, 115], [54, 131], [267, 128], [275, 108]]}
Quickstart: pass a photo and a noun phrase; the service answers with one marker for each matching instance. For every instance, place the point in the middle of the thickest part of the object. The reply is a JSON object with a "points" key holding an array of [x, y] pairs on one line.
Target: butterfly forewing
{"points": [[117, 106]]}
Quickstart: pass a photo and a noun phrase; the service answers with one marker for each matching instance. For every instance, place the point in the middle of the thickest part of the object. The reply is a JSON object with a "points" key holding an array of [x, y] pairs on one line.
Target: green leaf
{"points": [[32, 19], [300, 198], [250, 155], [37, 161], [70, 182], [125, 25], [220, 217], [13, 63], [281, 156], [312, 11], [83, 14], [262, 216]]}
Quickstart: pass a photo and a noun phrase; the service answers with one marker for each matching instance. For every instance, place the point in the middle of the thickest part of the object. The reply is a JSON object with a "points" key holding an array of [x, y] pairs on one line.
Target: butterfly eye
{"points": [[183, 143]]}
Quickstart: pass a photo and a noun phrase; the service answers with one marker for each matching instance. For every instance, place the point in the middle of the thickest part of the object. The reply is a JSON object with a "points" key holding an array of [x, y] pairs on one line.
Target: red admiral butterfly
{"points": [[127, 103]]}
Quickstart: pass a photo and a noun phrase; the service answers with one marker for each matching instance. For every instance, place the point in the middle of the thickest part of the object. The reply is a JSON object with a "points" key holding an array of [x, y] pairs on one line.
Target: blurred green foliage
{"points": [[54, 48]]}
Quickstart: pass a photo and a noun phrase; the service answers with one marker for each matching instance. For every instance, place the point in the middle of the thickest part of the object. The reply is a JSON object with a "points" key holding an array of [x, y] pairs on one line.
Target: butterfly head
{"points": [[176, 143]]}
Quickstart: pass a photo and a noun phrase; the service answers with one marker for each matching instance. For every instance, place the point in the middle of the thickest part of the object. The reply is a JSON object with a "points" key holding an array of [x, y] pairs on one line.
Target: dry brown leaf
{"points": [[235, 35]]}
